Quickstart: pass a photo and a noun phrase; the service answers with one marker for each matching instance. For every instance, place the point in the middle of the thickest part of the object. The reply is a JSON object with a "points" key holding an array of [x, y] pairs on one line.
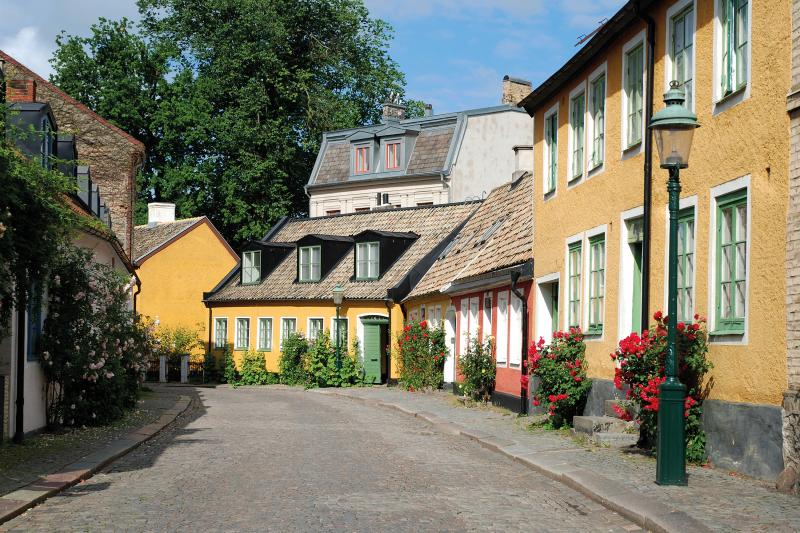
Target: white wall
{"points": [[486, 158], [407, 193]]}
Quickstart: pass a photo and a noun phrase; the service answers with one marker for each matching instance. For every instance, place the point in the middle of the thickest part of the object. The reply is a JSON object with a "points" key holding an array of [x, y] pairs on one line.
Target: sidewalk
{"points": [[49, 463], [621, 480]]}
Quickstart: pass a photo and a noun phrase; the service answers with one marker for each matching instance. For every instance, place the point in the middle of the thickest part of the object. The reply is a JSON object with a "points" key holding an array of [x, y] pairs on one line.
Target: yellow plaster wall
{"points": [[303, 311], [174, 279], [750, 138]]}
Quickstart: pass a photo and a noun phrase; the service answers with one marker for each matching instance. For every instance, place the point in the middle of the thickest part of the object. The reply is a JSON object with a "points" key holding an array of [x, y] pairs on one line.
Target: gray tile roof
{"points": [[498, 235], [430, 151], [335, 166], [432, 224], [147, 239]]}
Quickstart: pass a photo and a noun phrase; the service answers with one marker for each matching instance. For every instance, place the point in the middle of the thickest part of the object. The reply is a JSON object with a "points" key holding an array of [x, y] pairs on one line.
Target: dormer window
{"points": [[362, 159], [251, 267], [310, 263], [393, 155], [367, 260]]}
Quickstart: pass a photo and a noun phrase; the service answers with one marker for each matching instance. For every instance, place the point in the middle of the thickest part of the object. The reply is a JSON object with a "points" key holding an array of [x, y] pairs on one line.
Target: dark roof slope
{"points": [[432, 224], [430, 151], [499, 235]]}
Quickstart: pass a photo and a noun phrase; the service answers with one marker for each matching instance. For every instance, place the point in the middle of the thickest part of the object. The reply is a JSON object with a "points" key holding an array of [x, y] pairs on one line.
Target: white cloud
{"points": [[27, 47]]}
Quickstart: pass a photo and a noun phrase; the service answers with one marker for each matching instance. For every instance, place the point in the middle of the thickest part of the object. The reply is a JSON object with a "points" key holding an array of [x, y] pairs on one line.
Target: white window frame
{"points": [[546, 155], [300, 263], [236, 345], [572, 178], [501, 340], [487, 314], [334, 332], [601, 71], [515, 331], [543, 311], [715, 193], [217, 345], [259, 331], [369, 261], [723, 102], [573, 239], [630, 151], [308, 327], [282, 329], [256, 254], [626, 260], [674, 10], [689, 202], [437, 316]]}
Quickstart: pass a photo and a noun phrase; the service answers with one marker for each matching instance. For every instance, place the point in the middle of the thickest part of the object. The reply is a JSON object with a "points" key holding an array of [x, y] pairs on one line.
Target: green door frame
{"points": [[373, 325]]}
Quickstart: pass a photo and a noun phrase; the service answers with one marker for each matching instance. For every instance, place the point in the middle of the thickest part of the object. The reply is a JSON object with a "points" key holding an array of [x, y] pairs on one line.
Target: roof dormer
{"points": [[376, 252], [259, 259], [318, 254]]}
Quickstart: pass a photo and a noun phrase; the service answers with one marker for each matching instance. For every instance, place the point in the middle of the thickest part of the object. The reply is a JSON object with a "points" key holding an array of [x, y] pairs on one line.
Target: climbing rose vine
{"points": [[422, 353], [561, 369], [640, 371], [93, 350]]}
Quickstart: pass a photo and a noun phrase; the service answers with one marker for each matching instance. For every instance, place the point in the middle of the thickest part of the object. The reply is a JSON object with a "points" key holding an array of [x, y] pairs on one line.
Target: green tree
{"points": [[231, 96]]}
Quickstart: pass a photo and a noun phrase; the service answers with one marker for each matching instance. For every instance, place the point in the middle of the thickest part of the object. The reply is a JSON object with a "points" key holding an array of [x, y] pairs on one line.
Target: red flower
{"points": [[658, 315], [578, 379], [423, 324], [695, 326], [536, 402], [681, 326], [523, 379]]}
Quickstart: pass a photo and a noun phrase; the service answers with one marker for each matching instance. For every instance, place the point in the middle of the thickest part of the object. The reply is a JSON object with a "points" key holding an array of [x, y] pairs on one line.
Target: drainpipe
{"points": [[648, 166], [19, 419], [135, 294], [389, 304], [523, 390], [208, 346]]}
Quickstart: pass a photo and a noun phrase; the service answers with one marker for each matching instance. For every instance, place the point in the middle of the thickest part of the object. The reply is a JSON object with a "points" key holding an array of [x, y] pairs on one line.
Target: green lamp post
{"points": [[674, 128], [338, 298]]}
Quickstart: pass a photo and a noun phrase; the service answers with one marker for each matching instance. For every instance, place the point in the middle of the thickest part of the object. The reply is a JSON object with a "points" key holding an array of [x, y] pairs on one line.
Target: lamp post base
{"points": [[671, 460]]}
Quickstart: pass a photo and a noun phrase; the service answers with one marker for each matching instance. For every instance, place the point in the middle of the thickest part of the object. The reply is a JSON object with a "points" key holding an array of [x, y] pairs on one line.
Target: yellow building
{"points": [[177, 261], [593, 158], [286, 282]]}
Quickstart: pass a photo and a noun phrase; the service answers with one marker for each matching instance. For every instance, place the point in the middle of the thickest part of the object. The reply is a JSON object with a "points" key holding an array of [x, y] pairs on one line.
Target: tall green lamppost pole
{"points": [[338, 298], [674, 128]]}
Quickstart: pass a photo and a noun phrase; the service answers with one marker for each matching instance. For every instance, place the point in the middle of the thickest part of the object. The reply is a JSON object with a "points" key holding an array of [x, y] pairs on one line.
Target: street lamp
{"points": [[338, 297], [674, 128]]}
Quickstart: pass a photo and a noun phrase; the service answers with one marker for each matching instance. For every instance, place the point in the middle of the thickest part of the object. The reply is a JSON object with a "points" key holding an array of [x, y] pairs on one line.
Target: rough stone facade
{"points": [[113, 156], [514, 90], [791, 400]]}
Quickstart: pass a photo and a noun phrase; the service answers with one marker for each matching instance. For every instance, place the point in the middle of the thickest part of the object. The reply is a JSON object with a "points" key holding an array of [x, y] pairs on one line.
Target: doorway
{"points": [[450, 339], [376, 336]]}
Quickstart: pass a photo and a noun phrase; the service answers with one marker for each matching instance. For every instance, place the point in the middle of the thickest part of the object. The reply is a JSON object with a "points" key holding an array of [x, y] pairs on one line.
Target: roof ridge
{"points": [[393, 210], [133, 140], [193, 219]]}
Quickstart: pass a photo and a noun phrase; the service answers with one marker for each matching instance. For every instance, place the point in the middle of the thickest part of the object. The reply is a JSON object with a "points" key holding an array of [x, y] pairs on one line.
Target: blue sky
{"points": [[454, 52]]}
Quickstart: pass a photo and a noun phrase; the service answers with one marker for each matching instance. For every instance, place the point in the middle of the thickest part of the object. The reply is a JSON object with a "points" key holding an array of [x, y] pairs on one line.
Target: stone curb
{"points": [[555, 464], [15, 503]]}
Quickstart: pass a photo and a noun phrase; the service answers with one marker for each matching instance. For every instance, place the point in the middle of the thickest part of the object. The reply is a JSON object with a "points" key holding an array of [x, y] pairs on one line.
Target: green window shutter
{"points": [[598, 121], [633, 83], [597, 283], [551, 137], [731, 263], [574, 284], [576, 120], [739, 38]]}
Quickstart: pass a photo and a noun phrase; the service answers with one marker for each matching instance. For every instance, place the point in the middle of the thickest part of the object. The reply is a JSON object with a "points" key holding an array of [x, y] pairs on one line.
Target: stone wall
{"points": [[114, 157], [791, 403]]}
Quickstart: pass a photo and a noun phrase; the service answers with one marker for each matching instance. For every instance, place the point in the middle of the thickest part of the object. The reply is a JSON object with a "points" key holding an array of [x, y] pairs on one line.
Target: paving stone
{"points": [[285, 460]]}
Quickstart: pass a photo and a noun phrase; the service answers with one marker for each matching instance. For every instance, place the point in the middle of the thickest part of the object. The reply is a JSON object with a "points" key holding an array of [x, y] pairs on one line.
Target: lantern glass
{"points": [[674, 143], [338, 294]]}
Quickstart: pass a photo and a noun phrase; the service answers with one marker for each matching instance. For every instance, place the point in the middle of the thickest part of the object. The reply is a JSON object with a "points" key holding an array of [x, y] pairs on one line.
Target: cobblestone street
{"points": [[287, 460]]}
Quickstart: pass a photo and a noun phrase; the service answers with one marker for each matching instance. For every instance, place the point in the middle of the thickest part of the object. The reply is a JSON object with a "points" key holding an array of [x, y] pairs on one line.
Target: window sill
{"points": [[594, 332], [595, 168], [632, 147], [549, 194], [727, 333], [575, 179], [731, 95], [264, 350]]}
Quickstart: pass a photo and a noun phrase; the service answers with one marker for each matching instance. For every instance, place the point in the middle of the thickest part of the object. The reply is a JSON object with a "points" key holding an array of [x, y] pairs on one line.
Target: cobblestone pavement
{"points": [[716, 498], [47, 453], [287, 460]]}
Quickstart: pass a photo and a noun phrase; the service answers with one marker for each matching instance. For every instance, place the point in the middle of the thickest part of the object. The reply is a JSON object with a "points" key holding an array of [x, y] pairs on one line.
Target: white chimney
{"points": [[158, 212]]}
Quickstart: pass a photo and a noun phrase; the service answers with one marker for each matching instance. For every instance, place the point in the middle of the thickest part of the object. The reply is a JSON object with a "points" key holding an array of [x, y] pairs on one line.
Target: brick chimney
{"points": [[158, 212], [515, 89], [393, 110], [21, 91]]}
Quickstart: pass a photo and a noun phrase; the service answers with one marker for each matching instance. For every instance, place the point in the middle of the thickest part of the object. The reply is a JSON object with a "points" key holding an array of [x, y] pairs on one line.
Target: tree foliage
{"points": [[231, 97]]}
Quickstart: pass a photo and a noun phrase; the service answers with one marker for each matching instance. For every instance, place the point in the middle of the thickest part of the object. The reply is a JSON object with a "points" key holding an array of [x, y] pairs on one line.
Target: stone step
{"points": [[615, 440], [590, 425]]}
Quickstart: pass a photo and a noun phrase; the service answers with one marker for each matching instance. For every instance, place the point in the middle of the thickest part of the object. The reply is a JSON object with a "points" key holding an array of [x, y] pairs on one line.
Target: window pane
{"points": [[726, 300], [727, 215], [727, 263], [741, 222]]}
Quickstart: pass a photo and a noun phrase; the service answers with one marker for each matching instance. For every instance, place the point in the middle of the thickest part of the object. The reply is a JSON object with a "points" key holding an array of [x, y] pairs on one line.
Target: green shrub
{"points": [[230, 374], [422, 353], [322, 367], [254, 369], [561, 369], [478, 368], [292, 364]]}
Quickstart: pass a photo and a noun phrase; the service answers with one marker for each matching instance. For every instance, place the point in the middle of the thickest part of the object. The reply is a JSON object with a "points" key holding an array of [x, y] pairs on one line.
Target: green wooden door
{"points": [[373, 349]]}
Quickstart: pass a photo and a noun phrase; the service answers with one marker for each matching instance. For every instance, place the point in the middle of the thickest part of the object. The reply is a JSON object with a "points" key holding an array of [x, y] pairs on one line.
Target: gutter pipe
{"points": [[648, 166], [19, 413]]}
